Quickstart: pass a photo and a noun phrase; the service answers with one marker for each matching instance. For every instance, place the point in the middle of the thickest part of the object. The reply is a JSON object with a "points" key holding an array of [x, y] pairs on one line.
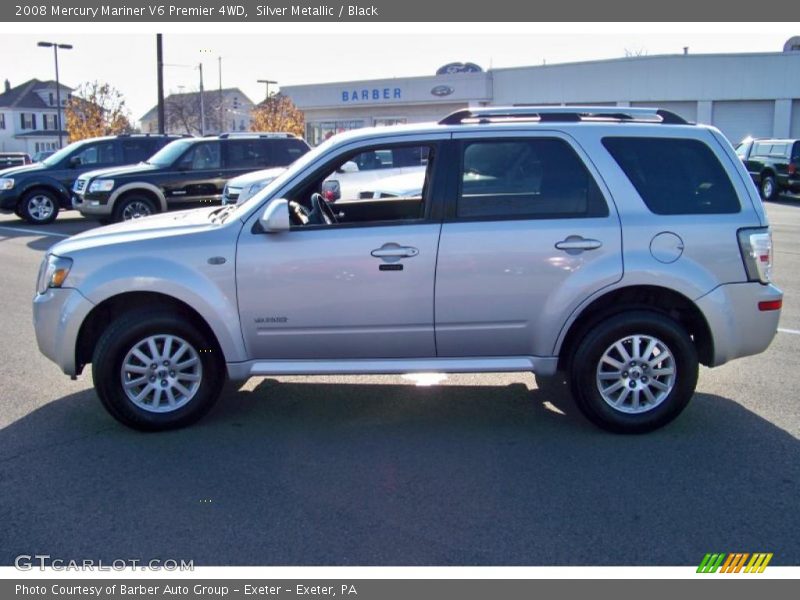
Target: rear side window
{"points": [[540, 178], [248, 154], [285, 152], [675, 176], [137, 150]]}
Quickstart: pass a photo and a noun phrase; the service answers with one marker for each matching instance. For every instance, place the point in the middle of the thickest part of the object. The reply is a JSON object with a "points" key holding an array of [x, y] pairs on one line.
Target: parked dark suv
{"points": [[184, 174], [773, 165], [37, 192]]}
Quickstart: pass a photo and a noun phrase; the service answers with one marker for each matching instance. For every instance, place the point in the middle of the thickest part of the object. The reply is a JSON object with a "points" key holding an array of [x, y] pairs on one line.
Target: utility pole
{"points": [[202, 103], [267, 82], [160, 78], [221, 107]]}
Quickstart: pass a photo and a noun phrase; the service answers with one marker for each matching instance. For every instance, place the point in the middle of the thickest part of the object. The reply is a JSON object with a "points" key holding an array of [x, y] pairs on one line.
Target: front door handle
{"points": [[575, 244], [394, 251]]}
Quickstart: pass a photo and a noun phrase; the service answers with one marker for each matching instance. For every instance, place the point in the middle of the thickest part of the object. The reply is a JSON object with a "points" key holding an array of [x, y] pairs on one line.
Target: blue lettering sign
{"points": [[372, 94]]}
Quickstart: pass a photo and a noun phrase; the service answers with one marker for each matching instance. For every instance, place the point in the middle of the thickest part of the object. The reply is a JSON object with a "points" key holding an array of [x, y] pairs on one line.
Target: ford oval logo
{"points": [[442, 90]]}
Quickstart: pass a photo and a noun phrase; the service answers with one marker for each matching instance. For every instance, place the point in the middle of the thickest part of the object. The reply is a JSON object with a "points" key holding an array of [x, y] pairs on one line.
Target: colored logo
{"points": [[735, 562]]}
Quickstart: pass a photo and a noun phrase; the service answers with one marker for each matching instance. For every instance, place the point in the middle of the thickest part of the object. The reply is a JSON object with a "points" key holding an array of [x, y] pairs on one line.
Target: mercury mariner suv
{"points": [[615, 247]]}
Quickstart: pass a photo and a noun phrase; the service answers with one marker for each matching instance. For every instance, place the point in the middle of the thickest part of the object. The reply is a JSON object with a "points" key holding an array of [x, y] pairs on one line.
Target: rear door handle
{"points": [[394, 251], [575, 243]]}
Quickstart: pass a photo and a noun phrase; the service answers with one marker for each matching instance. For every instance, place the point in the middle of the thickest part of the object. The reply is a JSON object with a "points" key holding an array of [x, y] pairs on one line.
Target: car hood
{"points": [[24, 170], [118, 171], [139, 230], [248, 179]]}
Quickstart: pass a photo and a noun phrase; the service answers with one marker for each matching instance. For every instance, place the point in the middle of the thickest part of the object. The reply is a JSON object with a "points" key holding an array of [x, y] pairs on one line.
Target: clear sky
{"points": [[127, 60]]}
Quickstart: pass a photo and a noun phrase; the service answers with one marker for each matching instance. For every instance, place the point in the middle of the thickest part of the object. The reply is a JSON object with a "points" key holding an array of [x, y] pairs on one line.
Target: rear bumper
{"points": [[738, 327]]}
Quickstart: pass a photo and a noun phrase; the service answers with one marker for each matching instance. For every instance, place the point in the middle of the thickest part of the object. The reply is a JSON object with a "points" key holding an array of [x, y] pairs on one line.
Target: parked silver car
{"points": [[618, 246]]}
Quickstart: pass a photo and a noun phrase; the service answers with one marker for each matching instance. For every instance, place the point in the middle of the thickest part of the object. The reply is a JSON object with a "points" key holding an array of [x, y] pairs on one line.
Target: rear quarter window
{"points": [[675, 176]]}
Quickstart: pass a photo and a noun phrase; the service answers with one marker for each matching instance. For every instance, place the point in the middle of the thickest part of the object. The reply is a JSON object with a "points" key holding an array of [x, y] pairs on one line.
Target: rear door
{"points": [[528, 235]]}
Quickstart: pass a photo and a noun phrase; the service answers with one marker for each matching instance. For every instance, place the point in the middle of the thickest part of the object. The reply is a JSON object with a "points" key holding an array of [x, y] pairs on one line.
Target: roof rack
{"points": [[255, 134], [563, 114]]}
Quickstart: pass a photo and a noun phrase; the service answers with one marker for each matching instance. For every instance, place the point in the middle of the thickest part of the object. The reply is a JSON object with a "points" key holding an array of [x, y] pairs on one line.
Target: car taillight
{"points": [[792, 169], [756, 248]]}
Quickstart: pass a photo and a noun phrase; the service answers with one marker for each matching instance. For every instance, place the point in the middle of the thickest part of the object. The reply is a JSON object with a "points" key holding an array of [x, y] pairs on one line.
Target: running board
{"points": [[388, 366]]}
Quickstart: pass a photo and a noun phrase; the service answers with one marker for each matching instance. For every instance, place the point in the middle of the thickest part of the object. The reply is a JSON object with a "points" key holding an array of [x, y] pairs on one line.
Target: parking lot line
{"points": [[792, 331], [35, 231]]}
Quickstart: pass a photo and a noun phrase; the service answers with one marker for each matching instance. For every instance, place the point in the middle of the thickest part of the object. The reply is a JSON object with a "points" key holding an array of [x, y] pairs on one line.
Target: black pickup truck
{"points": [[774, 165]]}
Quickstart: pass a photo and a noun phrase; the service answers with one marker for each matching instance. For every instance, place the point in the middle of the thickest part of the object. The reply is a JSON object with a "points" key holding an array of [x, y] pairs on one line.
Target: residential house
{"points": [[29, 116]]}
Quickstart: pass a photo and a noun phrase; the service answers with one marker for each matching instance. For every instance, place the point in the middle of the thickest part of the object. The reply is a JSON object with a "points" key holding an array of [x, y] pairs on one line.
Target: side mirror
{"points": [[75, 161], [275, 217], [348, 167]]}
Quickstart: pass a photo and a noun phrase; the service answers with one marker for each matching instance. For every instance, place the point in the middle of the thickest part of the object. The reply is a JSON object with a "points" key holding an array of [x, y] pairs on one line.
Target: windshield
{"points": [[169, 153], [56, 158], [297, 166]]}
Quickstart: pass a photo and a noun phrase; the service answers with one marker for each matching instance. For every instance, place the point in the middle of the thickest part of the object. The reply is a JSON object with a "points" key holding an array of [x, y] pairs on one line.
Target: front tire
{"points": [[38, 207], [634, 372], [769, 188], [133, 207], [153, 371]]}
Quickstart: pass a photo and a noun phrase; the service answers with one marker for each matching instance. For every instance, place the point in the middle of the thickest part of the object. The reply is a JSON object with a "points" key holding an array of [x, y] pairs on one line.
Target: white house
{"points": [[29, 116]]}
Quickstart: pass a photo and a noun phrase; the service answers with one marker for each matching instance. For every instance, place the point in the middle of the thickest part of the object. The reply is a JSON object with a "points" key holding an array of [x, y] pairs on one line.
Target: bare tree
{"points": [[182, 113]]}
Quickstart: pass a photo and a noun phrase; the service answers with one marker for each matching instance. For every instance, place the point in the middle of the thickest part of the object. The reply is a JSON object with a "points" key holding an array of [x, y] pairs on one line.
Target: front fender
{"points": [[211, 291], [55, 185]]}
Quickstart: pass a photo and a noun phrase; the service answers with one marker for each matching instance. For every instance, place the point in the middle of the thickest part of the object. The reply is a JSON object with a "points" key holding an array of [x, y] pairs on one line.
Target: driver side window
{"points": [[375, 185]]}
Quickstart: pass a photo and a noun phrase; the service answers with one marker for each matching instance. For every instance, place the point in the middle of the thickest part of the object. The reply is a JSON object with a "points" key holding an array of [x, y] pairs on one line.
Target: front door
{"points": [[358, 288]]}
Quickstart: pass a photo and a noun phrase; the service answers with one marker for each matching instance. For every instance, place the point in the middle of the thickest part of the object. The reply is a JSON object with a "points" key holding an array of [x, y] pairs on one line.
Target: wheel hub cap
{"points": [[40, 207], [161, 373], [635, 374]]}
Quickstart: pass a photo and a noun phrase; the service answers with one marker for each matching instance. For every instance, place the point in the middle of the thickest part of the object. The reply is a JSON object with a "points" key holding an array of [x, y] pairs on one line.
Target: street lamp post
{"points": [[55, 47]]}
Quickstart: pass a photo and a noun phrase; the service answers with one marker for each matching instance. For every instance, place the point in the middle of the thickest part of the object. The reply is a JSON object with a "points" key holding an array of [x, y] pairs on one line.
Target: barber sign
{"points": [[372, 94]]}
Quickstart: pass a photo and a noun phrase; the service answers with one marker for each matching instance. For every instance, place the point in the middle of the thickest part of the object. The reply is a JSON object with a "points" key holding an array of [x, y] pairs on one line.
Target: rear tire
{"points": [[133, 206], [153, 370], [769, 188], [634, 372], [38, 207]]}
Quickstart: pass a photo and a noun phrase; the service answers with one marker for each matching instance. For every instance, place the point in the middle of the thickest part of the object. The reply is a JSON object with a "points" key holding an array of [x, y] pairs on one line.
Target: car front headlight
{"points": [[53, 272], [101, 185], [6, 183], [257, 187]]}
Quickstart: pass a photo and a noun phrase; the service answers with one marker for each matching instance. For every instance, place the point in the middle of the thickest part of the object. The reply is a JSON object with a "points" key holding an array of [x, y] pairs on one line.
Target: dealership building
{"points": [[742, 94]]}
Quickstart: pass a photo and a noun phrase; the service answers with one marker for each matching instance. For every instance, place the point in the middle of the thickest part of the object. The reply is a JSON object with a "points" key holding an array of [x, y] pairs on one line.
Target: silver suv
{"points": [[616, 247]]}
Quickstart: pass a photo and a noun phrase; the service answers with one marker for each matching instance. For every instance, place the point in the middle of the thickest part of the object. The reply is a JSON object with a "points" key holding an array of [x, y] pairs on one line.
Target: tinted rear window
{"points": [[539, 178], [675, 176], [285, 152]]}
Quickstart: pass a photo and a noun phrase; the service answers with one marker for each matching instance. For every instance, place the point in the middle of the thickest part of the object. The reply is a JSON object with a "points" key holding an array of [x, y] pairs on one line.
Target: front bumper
{"points": [[57, 318], [91, 205], [738, 327], [8, 200]]}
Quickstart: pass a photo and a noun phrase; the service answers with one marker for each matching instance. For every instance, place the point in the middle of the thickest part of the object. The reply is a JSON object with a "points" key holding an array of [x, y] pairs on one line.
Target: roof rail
{"points": [[563, 114], [255, 134]]}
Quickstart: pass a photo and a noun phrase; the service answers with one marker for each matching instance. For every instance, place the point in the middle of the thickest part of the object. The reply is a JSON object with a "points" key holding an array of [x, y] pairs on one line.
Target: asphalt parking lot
{"points": [[475, 470]]}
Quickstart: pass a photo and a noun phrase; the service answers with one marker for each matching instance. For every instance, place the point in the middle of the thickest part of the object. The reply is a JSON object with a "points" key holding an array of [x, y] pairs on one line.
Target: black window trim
{"points": [[456, 182], [436, 185]]}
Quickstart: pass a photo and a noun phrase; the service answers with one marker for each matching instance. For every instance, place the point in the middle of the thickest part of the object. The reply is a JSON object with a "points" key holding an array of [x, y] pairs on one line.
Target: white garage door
{"points": [[795, 119], [687, 110], [743, 118]]}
